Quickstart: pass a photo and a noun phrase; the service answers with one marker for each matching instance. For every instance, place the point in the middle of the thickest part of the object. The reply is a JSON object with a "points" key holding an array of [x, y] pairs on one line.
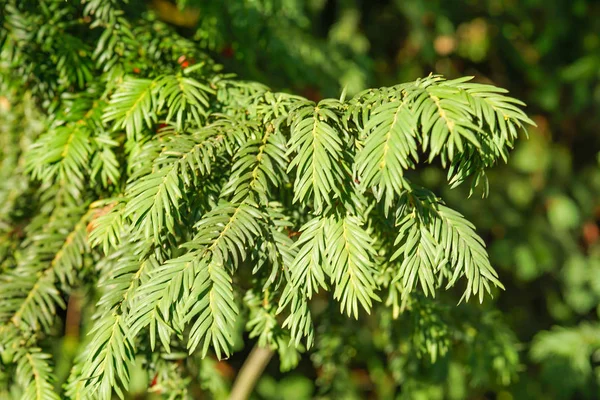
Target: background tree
{"points": [[111, 111]]}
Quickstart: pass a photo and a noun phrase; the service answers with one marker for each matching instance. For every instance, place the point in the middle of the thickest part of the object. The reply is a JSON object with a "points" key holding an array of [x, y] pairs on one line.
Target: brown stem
{"points": [[73, 318], [252, 369]]}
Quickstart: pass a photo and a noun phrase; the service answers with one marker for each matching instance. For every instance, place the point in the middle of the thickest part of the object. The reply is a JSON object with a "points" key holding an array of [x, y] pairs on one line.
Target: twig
{"points": [[250, 372]]}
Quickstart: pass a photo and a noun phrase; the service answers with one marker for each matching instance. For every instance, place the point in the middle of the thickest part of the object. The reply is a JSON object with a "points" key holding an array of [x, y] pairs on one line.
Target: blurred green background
{"points": [[541, 221]]}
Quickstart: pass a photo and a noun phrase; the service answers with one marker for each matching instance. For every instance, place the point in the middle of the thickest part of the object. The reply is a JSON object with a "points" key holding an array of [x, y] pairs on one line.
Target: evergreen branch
{"points": [[61, 154], [389, 149], [34, 375], [226, 231], [307, 274], [183, 97], [420, 255], [433, 238], [350, 256], [194, 212], [108, 366], [104, 162], [308, 269], [153, 199], [258, 165], [466, 253], [107, 224], [275, 247], [299, 320], [154, 299], [197, 282], [450, 119], [212, 305], [132, 107], [318, 147], [110, 353], [31, 288]]}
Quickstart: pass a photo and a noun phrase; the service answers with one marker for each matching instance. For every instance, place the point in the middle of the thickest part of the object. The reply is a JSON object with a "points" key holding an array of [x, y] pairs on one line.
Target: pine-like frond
{"points": [[154, 300], [466, 253], [31, 299], [153, 199], [500, 114], [106, 226], [62, 155], [308, 271], [469, 126], [188, 174], [446, 120], [317, 144], [275, 247], [350, 255], [212, 307], [390, 147], [337, 248], [30, 289], [123, 272], [110, 355], [132, 107], [197, 285], [184, 98], [420, 255], [259, 165], [104, 161], [34, 375], [141, 155], [117, 37], [110, 351], [73, 61], [299, 319], [435, 240], [227, 232]]}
